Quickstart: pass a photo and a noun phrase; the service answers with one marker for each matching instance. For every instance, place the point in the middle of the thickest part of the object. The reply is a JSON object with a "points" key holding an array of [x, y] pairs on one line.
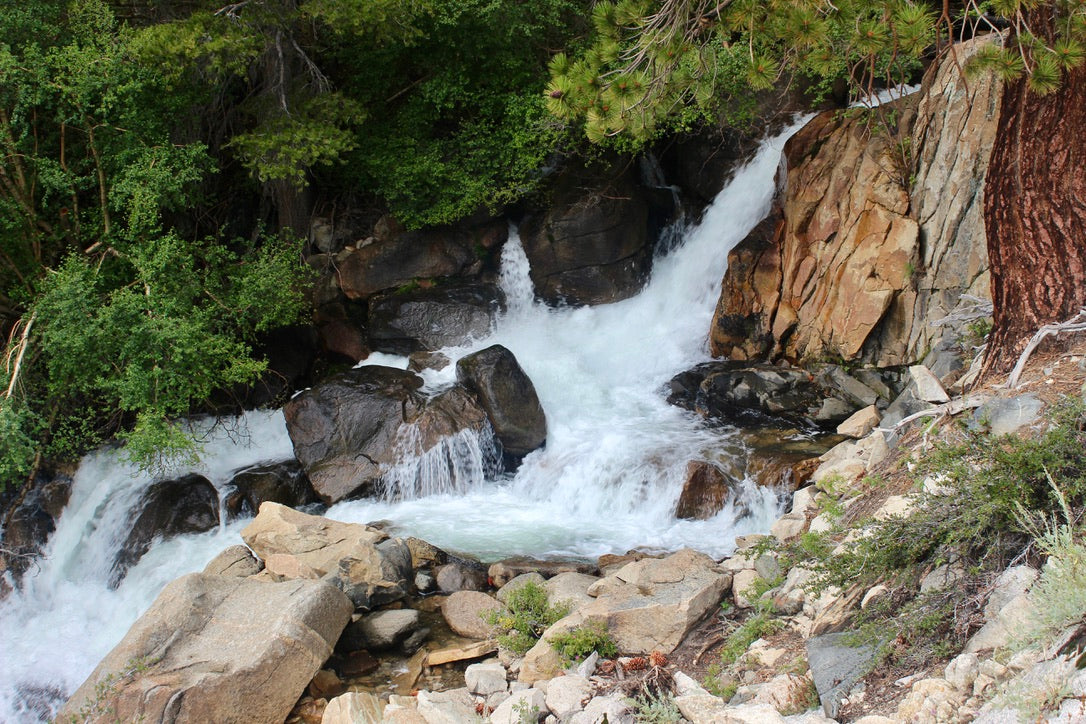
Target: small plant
{"points": [[655, 708], [760, 624], [526, 616], [577, 644], [524, 713]]}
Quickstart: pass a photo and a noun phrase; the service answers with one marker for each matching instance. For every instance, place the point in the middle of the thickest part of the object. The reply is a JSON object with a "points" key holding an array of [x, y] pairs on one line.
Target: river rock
{"points": [[466, 613], [569, 588], [704, 492], [485, 679], [507, 396], [860, 423], [347, 431], [506, 570], [567, 695], [189, 504], [385, 629], [752, 394], [528, 705], [429, 319], [284, 483], [592, 244], [218, 649], [394, 258], [461, 575], [371, 568]]}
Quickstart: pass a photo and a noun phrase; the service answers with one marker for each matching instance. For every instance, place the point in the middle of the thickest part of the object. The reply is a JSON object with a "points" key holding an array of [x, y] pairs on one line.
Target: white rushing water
{"points": [[608, 479]]}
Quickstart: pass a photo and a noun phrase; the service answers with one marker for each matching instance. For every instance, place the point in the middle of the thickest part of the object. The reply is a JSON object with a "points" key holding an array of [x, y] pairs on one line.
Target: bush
{"points": [[577, 644], [526, 616]]}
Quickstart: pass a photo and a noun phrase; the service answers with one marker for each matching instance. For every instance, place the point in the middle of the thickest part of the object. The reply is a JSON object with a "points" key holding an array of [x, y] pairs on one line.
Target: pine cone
{"points": [[658, 659]]}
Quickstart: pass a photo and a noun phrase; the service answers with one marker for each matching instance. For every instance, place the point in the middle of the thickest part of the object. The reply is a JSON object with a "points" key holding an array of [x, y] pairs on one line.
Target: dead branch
{"points": [[1075, 324], [24, 342]]}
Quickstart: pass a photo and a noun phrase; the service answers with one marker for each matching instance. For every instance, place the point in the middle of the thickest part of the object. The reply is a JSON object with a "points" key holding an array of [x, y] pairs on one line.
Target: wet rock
{"points": [[384, 630], [429, 319], [704, 492], [212, 646], [357, 663], [836, 667], [466, 613], [461, 575], [375, 576], [507, 396], [347, 430], [395, 258], [592, 244], [284, 483], [425, 360], [189, 504], [27, 529], [505, 570], [234, 561]]}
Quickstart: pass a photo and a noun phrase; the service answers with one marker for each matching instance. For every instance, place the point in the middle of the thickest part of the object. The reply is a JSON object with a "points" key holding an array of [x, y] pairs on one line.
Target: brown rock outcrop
{"points": [[852, 264]]}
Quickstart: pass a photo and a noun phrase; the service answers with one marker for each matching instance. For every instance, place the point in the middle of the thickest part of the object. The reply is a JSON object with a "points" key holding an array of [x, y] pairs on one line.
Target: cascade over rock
{"points": [[217, 649], [508, 397], [346, 431], [590, 246], [851, 264]]}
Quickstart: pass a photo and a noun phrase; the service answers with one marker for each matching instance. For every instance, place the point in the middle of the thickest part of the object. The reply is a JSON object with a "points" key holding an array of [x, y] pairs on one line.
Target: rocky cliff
{"points": [[876, 234]]}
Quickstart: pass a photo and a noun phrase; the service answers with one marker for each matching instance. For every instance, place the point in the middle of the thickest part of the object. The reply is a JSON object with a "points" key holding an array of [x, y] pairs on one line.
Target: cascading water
{"points": [[607, 480]]}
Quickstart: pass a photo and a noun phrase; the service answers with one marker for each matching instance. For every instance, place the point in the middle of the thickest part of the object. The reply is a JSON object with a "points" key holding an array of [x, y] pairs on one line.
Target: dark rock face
{"points": [[704, 493], [461, 575], [508, 397], [284, 483], [429, 319], [188, 504], [291, 352], [29, 526], [590, 246], [341, 427], [345, 431], [390, 261]]}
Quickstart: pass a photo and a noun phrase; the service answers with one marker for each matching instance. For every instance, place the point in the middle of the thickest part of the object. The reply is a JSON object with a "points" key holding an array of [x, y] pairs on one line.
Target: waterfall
{"points": [[607, 480]]}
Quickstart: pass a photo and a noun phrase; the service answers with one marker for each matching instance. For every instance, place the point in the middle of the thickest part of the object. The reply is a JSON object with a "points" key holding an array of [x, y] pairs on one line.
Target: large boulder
{"points": [[216, 649], [592, 244], [508, 396], [364, 562], [349, 430], [429, 319], [189, 504], [393, 259], [284, 483]]}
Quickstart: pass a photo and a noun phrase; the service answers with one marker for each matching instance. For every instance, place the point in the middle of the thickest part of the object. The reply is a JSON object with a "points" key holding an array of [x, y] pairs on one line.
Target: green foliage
{"points": [[526, 616], [579, 643], [759, 624]]}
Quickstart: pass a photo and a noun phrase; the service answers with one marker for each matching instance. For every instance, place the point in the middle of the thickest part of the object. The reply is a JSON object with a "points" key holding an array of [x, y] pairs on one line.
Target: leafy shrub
{"points": [[526, 616], [578, 643]]}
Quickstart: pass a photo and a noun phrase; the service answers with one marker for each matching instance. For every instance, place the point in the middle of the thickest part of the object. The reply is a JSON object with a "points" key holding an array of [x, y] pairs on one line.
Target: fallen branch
{"points": [[1075, 324], [24, 342]]}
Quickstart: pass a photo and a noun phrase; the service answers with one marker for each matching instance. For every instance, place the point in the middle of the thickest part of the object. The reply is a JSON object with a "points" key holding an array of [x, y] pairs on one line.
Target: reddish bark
{"points": [[1035, 213]]}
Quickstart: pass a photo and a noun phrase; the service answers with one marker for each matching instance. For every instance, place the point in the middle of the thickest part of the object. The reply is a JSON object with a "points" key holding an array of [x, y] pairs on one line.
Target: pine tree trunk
{"points": [[1035, 214]]}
